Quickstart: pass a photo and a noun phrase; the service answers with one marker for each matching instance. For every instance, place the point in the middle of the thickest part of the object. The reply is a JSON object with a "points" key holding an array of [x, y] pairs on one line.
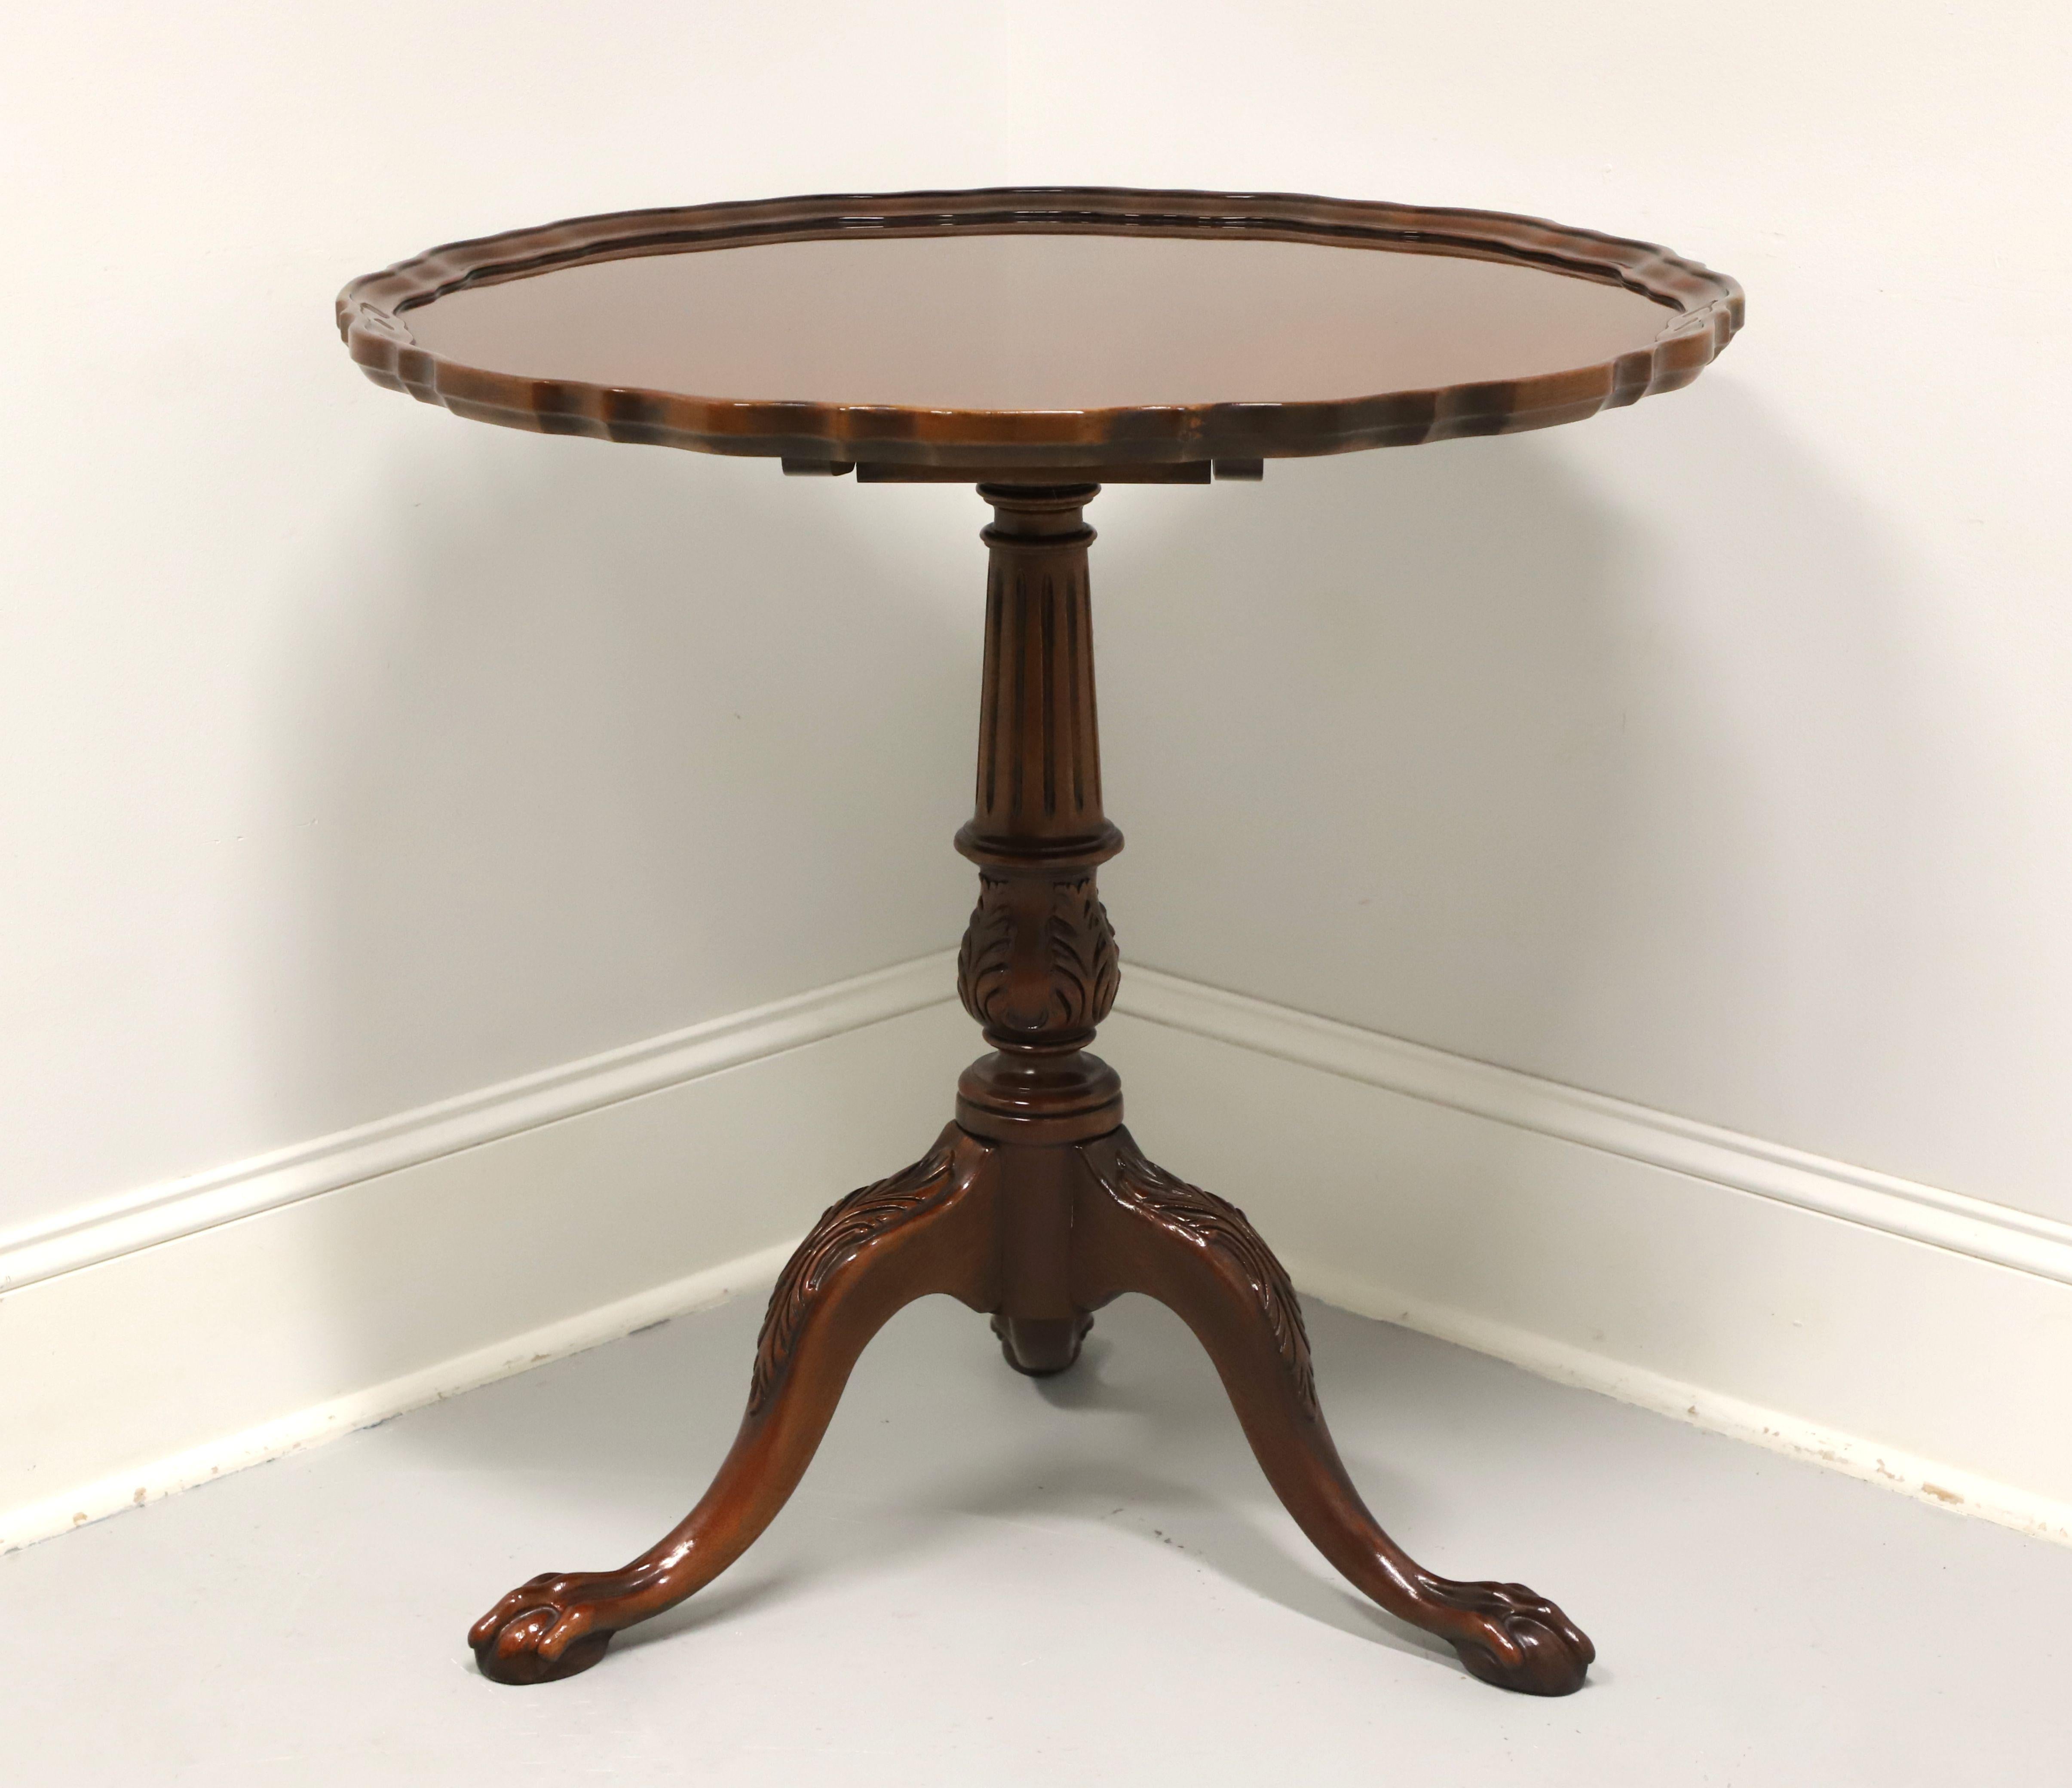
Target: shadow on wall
{"points": [[1597, 754], [1364, 736], [1605, 756], [595, 744]]}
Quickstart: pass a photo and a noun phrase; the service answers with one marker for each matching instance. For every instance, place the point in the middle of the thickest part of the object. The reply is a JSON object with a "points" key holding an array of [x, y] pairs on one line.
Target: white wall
{"points": [[1714, 754]]}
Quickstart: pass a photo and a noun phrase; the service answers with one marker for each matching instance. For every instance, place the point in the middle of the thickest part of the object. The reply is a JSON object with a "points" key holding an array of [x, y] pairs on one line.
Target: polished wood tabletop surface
{"points": [[1072, 329], [1037, 322]]}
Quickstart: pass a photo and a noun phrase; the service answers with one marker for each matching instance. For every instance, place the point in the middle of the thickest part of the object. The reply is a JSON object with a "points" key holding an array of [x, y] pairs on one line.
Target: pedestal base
{"points": [[1039, 1236], [1034, 1207]]}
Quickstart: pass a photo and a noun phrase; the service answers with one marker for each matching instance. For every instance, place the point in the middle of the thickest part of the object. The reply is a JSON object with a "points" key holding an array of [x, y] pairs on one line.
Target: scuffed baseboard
{"points": [[376, 1402], [1910, 1336], [206, 1325], [1907, 1335]]}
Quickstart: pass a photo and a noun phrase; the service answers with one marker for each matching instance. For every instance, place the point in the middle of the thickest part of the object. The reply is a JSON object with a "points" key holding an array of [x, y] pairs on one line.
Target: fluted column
{"points": [[1038, 966]]}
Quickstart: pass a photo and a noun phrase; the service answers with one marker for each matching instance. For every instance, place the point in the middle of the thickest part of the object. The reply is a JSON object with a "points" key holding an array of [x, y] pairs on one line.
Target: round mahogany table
{"points": [[1037, 344]]}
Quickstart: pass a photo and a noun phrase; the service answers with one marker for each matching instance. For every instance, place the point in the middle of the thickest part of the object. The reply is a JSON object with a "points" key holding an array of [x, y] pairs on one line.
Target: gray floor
{"points": [[987, 1582]]}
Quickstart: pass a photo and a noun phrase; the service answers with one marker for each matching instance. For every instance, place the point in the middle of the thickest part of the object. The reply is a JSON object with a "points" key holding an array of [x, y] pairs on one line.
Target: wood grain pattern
{"points": [[1703, 310]]}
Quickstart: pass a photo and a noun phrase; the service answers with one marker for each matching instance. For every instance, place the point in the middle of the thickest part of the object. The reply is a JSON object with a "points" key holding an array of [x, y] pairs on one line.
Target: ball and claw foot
{"points": [[1530, 1645], [543, 1631]]}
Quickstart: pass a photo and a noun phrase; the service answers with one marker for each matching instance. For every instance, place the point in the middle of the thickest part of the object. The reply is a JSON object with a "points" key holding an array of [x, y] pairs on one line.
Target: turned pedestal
{"points": [[1035, 1207]]}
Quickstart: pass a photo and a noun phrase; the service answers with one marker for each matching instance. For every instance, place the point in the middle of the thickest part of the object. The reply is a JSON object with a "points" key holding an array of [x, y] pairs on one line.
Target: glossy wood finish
{"points": [[928, 1229], [1073, 320], [1039, 968], [1035, 1206], [1012, 404]]}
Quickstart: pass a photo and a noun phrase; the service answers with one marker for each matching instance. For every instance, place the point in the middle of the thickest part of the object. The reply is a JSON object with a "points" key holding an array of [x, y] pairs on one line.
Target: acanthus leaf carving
{"points": [[1086, 968], [1207, 1221], [1039, 958], [986, 962], [845, 1227]]}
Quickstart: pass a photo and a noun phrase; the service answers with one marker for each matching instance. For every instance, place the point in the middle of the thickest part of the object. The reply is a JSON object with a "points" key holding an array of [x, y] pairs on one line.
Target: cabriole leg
{"points": [[928, 1229], [1138, 1228]]}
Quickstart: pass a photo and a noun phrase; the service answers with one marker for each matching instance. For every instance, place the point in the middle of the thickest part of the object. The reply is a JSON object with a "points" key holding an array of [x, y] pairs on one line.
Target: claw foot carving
{"points": [[554, 1626], [1524, 1642]]}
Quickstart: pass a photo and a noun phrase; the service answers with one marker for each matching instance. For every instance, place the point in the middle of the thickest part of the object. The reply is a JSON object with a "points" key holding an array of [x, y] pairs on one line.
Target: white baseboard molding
{"points": [[1985, 1231], [169, 1337], [1912, 1337], [378, 1403], [1932, 1481], [121, 1225]]}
